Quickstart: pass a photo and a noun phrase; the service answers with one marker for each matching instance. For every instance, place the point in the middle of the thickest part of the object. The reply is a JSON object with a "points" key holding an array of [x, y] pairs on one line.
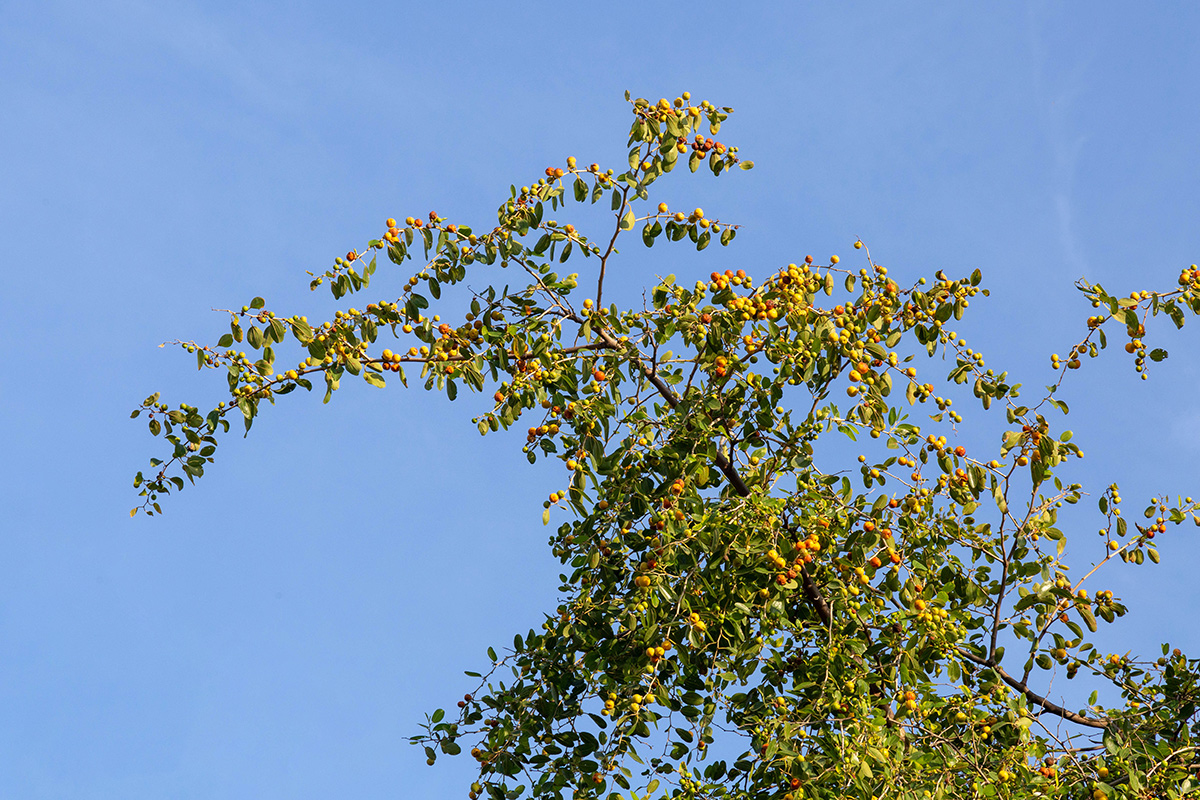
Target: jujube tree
{"points": [[738, 618]]}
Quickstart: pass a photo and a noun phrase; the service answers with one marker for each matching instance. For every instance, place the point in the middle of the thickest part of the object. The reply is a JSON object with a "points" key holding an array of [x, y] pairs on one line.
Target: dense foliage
{"points": [[738, 618]]}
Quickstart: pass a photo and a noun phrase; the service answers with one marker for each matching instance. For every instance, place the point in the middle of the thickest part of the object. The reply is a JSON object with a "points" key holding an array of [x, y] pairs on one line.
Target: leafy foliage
{"points": [[738, 619]]}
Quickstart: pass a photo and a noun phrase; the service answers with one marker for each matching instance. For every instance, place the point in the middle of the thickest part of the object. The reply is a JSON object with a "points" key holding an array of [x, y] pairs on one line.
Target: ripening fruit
{"points": [[858, 245], [662, 208]]}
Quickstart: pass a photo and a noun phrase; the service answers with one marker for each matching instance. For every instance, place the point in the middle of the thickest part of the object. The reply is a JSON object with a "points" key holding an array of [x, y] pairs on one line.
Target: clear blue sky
{"points": [[282, 629]]}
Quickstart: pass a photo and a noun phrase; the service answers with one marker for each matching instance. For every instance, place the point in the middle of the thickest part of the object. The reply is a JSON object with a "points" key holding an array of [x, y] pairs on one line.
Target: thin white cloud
{"points": [[1053, 97], [1186, 430], [266, 68], [1066, 235]]}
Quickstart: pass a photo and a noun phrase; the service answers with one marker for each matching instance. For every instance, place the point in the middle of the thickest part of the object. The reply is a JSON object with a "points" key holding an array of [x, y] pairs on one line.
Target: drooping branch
{"points": [[1047, 705]]}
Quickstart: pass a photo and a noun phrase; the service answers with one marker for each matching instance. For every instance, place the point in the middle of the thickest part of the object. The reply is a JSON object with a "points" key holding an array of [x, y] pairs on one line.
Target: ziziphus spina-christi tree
{"points": [[739, 619]]}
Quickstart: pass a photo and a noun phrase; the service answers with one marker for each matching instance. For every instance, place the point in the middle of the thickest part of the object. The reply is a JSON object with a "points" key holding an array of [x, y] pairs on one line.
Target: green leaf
{"points": [[650, 232], [1088, 618], [627, 221], [257, 303], [374, 378], [302, 330]]}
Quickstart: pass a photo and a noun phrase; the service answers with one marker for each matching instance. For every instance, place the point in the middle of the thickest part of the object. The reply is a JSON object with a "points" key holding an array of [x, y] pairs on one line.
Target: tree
{"points": [[740, 619]]}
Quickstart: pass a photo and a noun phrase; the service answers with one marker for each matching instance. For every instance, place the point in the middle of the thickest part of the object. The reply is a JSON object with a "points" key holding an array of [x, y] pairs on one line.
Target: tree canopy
{"points": [[745, 613]]}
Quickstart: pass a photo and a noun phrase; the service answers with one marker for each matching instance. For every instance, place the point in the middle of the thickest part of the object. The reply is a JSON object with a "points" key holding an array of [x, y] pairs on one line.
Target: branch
{"points": [[730, 472], [611, 245], [1033, 696], [814, 597], [722, 463]]}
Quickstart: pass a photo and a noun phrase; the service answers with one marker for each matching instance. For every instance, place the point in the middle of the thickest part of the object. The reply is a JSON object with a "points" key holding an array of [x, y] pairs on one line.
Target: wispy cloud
{"points": [[265, 67], [1186, 430], [1054, 96]]}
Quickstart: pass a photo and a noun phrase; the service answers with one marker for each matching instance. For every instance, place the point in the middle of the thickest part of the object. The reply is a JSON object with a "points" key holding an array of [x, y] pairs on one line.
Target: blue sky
{"points": [[286, 624]]}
